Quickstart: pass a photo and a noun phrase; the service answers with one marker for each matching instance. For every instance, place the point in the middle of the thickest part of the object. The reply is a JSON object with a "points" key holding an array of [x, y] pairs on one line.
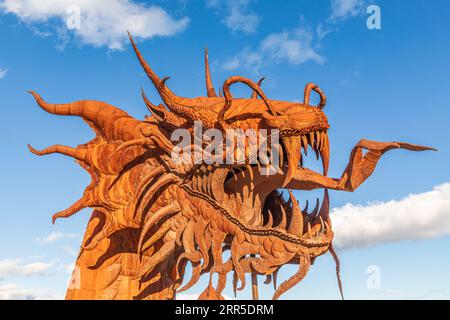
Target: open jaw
{"points": [[255, 198]]}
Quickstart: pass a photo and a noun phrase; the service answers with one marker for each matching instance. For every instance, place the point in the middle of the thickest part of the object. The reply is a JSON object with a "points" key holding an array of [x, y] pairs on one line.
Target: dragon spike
{"points": [[98, 115], [209, 86], [156, 111], [76, 153], [180, 106], [157, 82], [296, 224], [254, 93]]}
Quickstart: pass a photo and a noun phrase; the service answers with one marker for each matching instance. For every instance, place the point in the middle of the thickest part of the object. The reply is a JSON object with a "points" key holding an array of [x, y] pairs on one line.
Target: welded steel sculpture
{"points": [[153, 215]]}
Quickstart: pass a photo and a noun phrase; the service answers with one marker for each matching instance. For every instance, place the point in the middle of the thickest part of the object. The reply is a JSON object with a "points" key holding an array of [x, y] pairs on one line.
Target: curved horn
{"points": [[209, 86], [311, 86], [228, 97], [99, 115], [254, 93], [76, 153]]}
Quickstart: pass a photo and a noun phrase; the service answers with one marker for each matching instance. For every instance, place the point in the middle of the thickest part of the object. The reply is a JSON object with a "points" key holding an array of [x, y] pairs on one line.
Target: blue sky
{"points": [[388, 85]]}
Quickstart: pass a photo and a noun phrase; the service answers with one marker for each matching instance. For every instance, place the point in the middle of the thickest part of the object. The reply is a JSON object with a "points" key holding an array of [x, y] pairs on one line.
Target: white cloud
{"points": [[291, 46], [252, 60], [55, 236], [418, 216], [17, 268], [342, 9], [3, 73], [102, 22], [236, 14], [12, 291], [69, 250]]}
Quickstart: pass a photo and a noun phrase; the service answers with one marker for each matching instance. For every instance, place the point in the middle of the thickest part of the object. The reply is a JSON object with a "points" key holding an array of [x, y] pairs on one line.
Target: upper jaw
{"points": [[250, 193]]}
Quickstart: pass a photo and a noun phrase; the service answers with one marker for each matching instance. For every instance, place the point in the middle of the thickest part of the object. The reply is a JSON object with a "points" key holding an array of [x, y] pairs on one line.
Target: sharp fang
{"points": [[316, 209], [249, 169], [296, 224], [234, 175], [311, 138], [327, 227], [325, 153], [309, 230], [281, 155], [321, 224], [282, 224], [318, 139], [269, 223], [305, 144], [293, 151], [305, 210], [325, 209]]}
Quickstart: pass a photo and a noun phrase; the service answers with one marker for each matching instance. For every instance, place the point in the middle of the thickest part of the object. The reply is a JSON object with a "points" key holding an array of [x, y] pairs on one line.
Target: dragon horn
{"points": [[254, 93], [183, 107], [209, 86]]}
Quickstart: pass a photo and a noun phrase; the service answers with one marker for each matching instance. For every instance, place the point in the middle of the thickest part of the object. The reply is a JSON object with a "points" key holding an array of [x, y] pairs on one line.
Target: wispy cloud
{"points": [[3, 73], [341, 9], [10, 268], [292, 46], [55, 236], [101, 23], [12, 291], [418, 216], [237, 15]]}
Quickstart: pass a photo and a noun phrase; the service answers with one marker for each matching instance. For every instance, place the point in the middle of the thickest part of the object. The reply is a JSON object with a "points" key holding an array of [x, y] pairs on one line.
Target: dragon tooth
{"points": [[234, 175], [282, 224], [306, 206], [250, 171], [318, 139], [293, 152], [327, 227], [309, 230], [296, 223], [269, 223], [325, 209], [281, 155], [325, 154], [305, 144], [321, 224], [316, 209], [311, 139]]}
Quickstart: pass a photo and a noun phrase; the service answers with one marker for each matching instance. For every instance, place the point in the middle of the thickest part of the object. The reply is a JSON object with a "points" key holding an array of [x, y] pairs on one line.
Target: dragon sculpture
{"points": [[153, 215]]}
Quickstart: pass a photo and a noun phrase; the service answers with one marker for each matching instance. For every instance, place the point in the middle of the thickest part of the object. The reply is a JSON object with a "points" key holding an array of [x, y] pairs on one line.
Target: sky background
{"points": [[390, 84]]}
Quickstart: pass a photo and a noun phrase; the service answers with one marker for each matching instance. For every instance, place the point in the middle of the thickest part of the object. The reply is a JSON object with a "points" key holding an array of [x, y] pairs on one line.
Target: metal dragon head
{"points": [[153, 214]]}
